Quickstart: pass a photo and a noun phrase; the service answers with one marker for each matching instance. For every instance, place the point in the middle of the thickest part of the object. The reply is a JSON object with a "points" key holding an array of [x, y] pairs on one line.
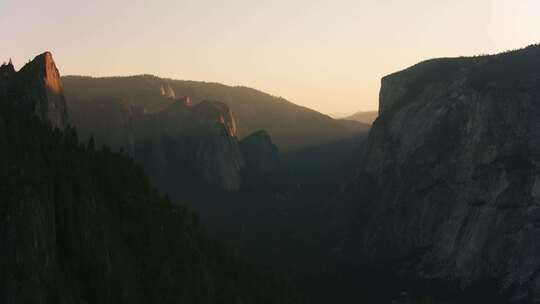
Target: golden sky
{"points": [[326, 55]]}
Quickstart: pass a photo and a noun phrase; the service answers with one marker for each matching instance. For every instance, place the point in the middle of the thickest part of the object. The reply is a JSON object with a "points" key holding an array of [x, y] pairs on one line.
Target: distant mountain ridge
{"points": [[291, 127], [367, 117]]}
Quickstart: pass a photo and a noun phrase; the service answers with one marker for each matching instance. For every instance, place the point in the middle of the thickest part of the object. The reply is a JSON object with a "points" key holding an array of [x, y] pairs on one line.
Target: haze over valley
{"points": [[325, 152]]}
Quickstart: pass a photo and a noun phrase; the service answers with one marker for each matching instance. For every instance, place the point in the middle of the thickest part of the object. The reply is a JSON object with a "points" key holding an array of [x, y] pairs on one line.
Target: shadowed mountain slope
{"points": [[183, 144], [291, 126]]}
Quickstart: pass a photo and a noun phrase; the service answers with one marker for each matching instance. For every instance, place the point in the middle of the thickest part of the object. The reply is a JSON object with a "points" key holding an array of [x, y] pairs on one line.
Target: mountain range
{"points": [[197, 140], [291, 127]]}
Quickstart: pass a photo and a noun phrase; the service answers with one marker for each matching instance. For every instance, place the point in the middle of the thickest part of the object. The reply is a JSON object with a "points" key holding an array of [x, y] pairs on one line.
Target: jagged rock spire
{"points": [[7, 67], [7, 71], [37, 88]]}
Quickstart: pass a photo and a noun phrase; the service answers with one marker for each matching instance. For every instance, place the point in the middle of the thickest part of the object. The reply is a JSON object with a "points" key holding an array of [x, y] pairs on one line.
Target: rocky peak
{"points": [[197, 139], [36, 88], [215, 111], [184, 115], [43, 70], [215, 152], [260, 153], [7, 69]]}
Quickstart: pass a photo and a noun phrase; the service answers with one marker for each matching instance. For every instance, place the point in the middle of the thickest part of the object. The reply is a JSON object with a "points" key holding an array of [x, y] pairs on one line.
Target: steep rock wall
{"points": [[450, 179]]}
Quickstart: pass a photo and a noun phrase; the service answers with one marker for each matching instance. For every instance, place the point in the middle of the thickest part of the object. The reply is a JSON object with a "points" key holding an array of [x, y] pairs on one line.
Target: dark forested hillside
{"points": [[80, 224], [291, 127]]}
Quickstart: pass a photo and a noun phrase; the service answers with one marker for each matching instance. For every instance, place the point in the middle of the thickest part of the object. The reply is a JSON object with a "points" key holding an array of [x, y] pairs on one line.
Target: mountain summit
{"points": [[36, 88]]}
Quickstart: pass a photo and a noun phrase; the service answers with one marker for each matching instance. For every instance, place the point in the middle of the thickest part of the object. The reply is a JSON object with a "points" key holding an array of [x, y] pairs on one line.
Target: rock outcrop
{"points": [[260, 153], [185, 143], [449, 187], [200, 138], [36, 88], [167, 91]]}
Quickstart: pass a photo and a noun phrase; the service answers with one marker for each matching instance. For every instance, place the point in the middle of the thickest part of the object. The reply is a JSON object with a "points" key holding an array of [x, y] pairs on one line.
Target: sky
{"points": [[326, 55]]}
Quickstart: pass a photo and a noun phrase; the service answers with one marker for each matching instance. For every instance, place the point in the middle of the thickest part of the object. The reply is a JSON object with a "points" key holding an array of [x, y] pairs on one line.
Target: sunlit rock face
{"points": [[167, 91], [36, 88], [449, 183]]}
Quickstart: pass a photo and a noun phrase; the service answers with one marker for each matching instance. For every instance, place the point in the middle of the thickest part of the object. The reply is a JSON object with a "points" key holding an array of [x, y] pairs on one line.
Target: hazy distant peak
{"points": [[367, 117]]}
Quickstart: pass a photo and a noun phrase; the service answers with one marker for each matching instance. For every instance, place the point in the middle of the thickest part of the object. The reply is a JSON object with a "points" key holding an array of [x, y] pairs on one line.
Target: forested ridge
{"points": [[81, 224]]}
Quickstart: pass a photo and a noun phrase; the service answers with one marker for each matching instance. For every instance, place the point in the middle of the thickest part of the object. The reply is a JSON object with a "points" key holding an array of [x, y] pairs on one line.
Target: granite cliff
{"points": [[260, 153], [449, 185], [36, 88], [194, 141], [185, 143]]}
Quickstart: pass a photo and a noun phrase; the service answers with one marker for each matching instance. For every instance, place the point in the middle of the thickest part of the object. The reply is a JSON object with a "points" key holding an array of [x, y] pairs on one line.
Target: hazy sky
{"points": [[327, 55]]}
